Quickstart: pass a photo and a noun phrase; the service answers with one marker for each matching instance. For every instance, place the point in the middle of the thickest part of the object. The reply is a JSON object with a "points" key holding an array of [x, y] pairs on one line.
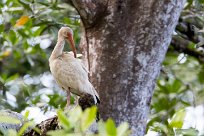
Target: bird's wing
{"points": [[70, 55], [83, 66], [72, 73], [89, 85]]}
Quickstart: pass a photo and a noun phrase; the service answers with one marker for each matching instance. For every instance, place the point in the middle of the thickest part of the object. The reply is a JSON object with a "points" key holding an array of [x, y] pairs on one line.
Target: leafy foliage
{"points": [[78, 123], [28, 31], [74, 122], [180, 84]]}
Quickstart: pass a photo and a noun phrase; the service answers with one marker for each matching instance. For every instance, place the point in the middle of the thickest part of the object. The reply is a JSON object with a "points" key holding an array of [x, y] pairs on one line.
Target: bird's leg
{"points": [[76, 101], [68, 97]]}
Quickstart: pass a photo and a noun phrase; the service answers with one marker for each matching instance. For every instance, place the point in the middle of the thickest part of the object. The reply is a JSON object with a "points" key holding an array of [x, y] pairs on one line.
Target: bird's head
{"points": [[67, 33]]}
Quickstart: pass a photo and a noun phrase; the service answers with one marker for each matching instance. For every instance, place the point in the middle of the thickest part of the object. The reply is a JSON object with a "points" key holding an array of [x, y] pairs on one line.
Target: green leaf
{"points": [[56, 133], [13, 77], [201, 76], [67, 20], [1, 28], [8, 119], [88, 118], [201, 1], [159, 127], [11, 132], [63, 119], [26, 5], [176, 86], [25, 127], [39, 30], [12, 37], [191, 45], [101, 128], [42, 3], [22, 21], [178, 118], [190, 2], [75, 115], [23, 33], [187, 132], [26, 114], [123, 129], [111, 128]]}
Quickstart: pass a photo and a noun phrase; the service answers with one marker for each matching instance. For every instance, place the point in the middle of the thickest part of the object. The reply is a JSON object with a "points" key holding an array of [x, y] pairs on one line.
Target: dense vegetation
{"points": [[28, 32]]}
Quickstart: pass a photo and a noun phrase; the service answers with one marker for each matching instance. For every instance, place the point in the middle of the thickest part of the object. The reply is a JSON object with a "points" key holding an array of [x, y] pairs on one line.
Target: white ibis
{"points": [[68, 71]]}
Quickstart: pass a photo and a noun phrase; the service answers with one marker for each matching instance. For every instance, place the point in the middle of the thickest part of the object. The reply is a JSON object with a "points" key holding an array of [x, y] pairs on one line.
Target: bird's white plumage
{"points": [[69, 72]]}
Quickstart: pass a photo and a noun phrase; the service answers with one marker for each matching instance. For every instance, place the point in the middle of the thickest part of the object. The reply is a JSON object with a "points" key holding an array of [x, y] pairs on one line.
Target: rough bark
{"points": [[124, 44], [44, 127]]}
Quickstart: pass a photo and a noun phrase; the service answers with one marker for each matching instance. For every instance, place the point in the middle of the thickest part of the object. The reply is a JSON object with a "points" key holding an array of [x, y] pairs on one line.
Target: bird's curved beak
{"points": [[71, 41]]}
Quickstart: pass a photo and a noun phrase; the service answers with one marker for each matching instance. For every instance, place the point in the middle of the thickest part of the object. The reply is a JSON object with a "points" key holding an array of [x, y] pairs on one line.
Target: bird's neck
{"points": [[58, 50]]}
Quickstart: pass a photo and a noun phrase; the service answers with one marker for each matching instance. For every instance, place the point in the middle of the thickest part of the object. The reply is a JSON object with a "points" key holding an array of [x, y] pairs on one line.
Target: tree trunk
{"points": [[124, 44]]}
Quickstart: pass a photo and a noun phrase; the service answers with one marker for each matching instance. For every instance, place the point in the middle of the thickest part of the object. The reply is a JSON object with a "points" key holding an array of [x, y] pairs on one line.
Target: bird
{"points": [[68, 71]]}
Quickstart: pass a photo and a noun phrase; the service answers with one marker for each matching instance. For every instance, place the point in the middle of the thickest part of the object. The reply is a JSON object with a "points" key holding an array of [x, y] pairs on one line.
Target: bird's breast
{"points": [[64, 73], [70, 73]]}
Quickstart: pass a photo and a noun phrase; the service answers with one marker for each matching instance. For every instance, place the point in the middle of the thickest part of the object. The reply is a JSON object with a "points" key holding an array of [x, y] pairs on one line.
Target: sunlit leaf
{"points": [[75, 114], [56, 133], [25, 4], [22, 33], [102, 128], [39, 30], [11, 132], [159, 127], [176, 86], [30, 60], [187, 132], [8, 119], [13, 77], [22, 21], [111, 128], [88, 118], [25, 126], [123, 129], [63, 119], [26, 114], [190, 2], [5, 54], [178, 119]]}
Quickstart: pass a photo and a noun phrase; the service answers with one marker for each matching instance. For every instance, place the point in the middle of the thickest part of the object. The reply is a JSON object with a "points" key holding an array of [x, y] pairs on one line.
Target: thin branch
{"points": [[44, 127], [189, 27], [181, 45]]}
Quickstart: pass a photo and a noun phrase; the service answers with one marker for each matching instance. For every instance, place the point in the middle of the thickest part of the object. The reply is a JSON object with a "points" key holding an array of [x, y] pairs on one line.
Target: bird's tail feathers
{"points": [[96, 96], [97, 100]]}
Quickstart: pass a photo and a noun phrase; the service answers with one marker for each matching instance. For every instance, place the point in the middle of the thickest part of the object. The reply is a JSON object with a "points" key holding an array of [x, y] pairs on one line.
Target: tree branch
{"points": [[90, 10], [181, 45], [44, 127], [189, 26]]}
